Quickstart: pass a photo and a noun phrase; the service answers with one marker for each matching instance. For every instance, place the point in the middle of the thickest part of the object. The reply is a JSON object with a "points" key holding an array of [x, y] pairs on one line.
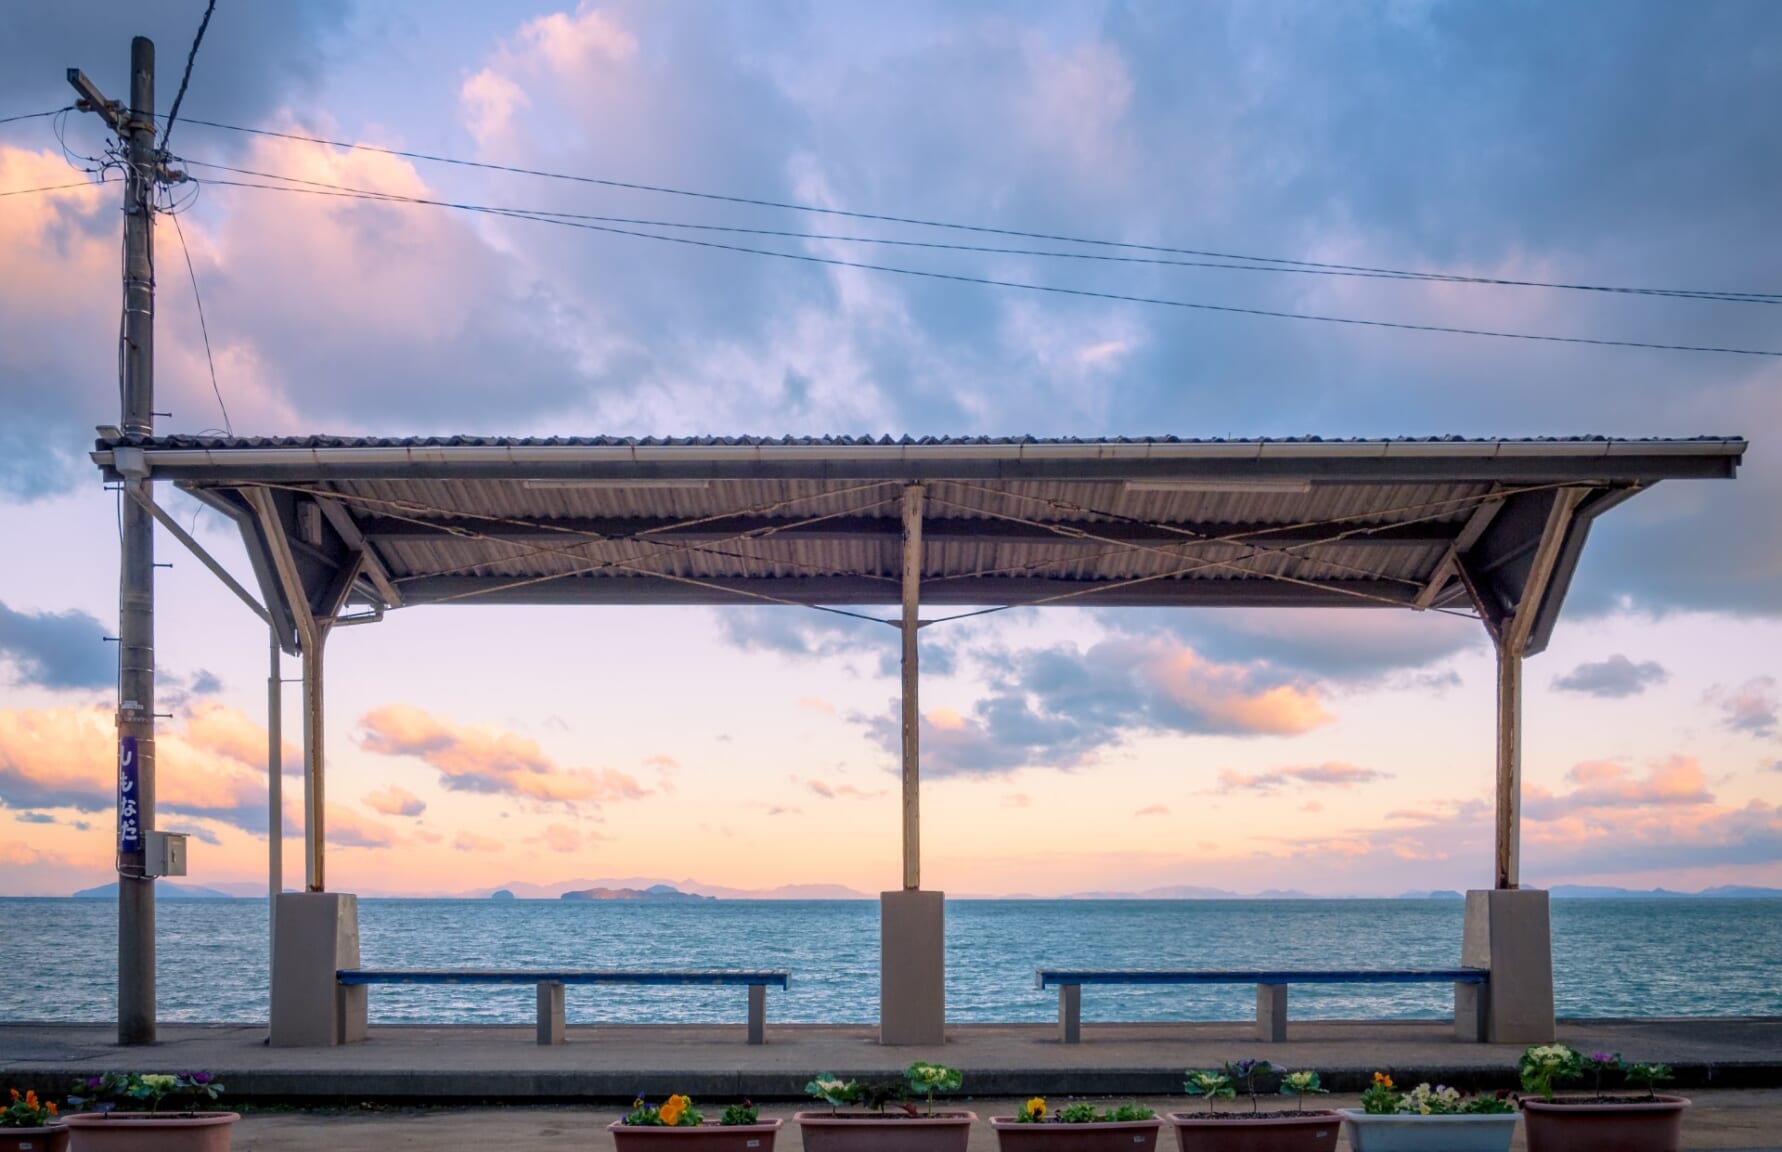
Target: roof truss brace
{"points": [[141, 496], [1515, 634], [309, 631], [342, 522], [1446, 570]]}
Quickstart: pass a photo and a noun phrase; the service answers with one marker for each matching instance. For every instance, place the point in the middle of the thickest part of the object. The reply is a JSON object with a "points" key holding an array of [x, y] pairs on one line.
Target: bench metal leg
{"points": [[1471, 1004], [1070, 1013], [757, 1013], [1271, 1012], [550, 1012]]}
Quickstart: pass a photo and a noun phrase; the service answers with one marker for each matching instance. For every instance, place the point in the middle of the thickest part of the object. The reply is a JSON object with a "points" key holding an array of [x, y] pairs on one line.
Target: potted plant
{"points": [[1627, 1122], [893, 1125], [676, 1126], [1077, 1128], [1254, 1131], [28, 1124], [1428, 1119], [109, 1128]]}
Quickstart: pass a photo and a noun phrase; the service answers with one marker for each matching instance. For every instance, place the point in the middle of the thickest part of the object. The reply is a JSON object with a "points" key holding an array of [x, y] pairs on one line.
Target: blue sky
{"points": [[1630, 145]]}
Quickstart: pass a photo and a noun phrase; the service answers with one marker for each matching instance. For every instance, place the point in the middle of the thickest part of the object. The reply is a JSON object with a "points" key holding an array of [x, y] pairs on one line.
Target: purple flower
{"points": [[94, 1084], [201, 1078]]}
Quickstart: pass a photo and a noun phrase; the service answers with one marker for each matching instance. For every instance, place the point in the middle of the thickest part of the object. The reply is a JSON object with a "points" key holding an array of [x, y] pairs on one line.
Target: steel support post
{"points": [[1509, 768], [313, 774], [275, 787], [912, 714]]}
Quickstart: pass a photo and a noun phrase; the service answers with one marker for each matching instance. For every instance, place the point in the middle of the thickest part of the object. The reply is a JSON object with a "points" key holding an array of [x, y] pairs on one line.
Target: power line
{"points": [[186, 78], [202, 326], [36, 115], [317, 188], [933, 245], [53, 187], [755, 202]]}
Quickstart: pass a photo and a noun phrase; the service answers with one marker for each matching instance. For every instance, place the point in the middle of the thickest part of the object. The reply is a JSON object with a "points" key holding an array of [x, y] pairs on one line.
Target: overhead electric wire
{"points": [[186, 77], [310, 187], [934, 245], [792, 206], [53, 187], [203, 327], [35, 115]]}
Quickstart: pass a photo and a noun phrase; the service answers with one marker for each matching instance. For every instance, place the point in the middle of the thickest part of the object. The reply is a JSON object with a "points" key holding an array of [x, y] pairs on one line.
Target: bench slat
{"points": [[1050, 977], [357, 976]]}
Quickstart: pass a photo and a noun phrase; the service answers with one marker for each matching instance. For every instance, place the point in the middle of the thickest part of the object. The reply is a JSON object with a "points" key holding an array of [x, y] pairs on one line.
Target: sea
{"points": [[1611, 957]]}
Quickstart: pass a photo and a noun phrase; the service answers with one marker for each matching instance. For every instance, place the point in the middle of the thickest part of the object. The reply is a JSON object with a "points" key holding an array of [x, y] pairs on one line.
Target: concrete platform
{"points": [[616, 1062]]}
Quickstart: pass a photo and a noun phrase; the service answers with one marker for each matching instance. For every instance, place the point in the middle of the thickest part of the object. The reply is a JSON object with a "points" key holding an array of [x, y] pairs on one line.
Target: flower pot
{"points": [[1399, 1132], [1582, 1124], [150, 1131], [1267, 1132], [51, 1139], [878, 1132], [1099, 1136], [707, 1137]]}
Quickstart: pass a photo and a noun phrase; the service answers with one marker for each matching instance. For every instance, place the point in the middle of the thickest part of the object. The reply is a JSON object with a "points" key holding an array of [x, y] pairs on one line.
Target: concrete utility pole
{"points": [[135, 127]]}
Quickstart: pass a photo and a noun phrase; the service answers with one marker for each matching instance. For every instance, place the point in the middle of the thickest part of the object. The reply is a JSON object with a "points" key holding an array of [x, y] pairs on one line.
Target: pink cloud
{"points": [[1754, 706], [472, 842], [1153, 810], [395, 801], [1331, 773], [490, 760]]}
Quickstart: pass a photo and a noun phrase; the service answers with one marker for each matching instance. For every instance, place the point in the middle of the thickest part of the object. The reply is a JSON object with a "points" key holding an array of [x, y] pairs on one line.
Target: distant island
{"points": [[163, 891], [501, 894], [653, 892]]}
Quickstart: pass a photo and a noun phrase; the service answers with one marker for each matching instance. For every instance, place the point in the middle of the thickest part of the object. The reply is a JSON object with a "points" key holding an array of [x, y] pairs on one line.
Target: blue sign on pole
{"points": [[129, 814]]}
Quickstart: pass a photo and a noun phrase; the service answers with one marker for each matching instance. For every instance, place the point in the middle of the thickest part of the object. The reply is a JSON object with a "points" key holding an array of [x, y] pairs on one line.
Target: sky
{"points": [[1065, 750]]}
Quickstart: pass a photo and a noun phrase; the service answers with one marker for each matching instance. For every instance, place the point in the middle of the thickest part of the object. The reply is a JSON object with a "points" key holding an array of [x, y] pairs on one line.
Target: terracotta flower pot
{"points": [[1580, 1124], [1490, 1132], [707, 1137], [1270, 1132], [1099, 1136], [51, 1139], [150, 1131], [876, 1132]]}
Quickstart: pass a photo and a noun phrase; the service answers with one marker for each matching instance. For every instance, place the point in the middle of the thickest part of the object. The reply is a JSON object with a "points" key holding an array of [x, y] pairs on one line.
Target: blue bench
{"points": [[551, 983], [1271, 992]]}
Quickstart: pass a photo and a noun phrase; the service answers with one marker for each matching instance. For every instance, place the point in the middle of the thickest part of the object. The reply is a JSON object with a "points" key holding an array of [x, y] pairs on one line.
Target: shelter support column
{"points": [[1508, 928], [912, 923], [314, 821]]}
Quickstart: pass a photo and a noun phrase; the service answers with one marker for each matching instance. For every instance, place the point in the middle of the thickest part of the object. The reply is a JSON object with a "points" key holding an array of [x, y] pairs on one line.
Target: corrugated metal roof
{"points": [[1020, 519], [326, 441]]}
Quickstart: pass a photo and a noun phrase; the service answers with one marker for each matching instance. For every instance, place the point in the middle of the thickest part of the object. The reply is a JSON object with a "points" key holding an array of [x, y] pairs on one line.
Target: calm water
{"points": [[1611, 957]]}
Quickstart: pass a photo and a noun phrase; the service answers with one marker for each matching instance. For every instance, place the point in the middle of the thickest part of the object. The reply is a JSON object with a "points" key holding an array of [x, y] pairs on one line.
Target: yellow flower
{"points": [[672, 1109], [1382, 1080], [52, 1107], [30, 1099], [1036, 1107]]}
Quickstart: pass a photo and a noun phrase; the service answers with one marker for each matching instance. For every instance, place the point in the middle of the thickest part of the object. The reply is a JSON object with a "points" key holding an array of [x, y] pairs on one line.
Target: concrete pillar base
{"points": [[1271, 1013], [550, 1012], [317, 934], [1508, 931], [912, 968]]}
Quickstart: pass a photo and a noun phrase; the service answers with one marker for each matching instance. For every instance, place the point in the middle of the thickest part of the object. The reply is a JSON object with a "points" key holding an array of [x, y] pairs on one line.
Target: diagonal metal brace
{"points": [[141, 496]]}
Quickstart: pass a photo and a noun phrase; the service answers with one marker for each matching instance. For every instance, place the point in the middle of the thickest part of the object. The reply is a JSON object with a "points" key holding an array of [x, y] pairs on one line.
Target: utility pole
{"points": [[145, 170]]}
